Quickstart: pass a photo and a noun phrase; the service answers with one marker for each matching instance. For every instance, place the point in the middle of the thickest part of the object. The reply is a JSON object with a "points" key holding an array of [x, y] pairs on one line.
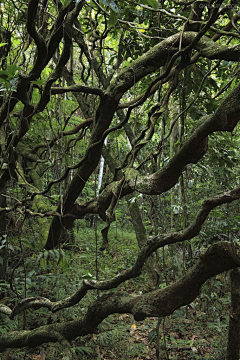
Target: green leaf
{"points": [[43, 263], [38, 82], [66, 3], [2, 44], [3, 74], [112, 5], [11, 69], [28, 281], [153, 3], [113, 18], [31, 273]]}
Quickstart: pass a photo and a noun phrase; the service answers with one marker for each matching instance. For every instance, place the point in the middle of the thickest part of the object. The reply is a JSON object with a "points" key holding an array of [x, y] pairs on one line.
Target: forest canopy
{"points": [[116, 113]]}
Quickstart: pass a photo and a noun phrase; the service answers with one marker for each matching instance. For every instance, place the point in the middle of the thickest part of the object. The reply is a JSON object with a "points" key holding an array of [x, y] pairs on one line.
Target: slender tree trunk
{"points": [[140, 231], [39, 206], [3, 245], [234, 319]]}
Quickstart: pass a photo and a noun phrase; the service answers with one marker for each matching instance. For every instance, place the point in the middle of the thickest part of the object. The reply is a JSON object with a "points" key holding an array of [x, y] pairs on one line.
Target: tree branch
{"points": [[162, 302], [77, 88], [152, 245]]}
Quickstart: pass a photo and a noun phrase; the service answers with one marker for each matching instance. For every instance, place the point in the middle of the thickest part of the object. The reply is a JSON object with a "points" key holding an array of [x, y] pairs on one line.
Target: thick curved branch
{"points": [[59, 67], [41, 45], [152, 245], [192, 151], [160, 54], [57, 30], [218, 258], [225, 118], [171, 238]]}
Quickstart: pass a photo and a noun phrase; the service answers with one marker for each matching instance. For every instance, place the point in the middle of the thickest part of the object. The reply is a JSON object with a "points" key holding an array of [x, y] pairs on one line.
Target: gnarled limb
{"points": [[148, 248], [224, 119], [218, 258]]}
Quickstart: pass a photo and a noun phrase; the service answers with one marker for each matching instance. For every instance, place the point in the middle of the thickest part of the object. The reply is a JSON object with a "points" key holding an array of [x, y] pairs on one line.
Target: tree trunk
{"points": [[140, 231], [3, 245], [234, 319]]}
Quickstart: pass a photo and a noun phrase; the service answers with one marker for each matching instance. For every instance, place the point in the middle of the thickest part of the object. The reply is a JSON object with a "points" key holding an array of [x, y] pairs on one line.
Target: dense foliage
{"points": [[123, 117]]}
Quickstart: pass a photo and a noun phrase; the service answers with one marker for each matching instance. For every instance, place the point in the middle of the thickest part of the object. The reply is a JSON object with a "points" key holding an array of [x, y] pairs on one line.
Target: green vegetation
{"points": [[119, 179]]}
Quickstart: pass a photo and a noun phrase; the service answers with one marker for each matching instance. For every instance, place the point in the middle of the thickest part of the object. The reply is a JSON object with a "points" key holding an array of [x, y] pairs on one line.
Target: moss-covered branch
{"points": [[218, 258], [148, 248]]}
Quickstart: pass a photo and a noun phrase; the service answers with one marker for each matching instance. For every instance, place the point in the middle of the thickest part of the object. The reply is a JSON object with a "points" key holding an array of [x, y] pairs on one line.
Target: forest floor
{"points": [[123, 339]]}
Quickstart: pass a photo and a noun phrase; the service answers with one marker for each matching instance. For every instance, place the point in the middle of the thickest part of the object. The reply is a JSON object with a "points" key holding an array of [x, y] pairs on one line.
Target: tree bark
{"points": [[141, 236], [3, 245], [234, 319]]}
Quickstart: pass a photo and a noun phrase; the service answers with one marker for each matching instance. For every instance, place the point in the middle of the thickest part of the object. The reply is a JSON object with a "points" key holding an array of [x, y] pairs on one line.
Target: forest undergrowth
{"points": [[196, 331]]}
